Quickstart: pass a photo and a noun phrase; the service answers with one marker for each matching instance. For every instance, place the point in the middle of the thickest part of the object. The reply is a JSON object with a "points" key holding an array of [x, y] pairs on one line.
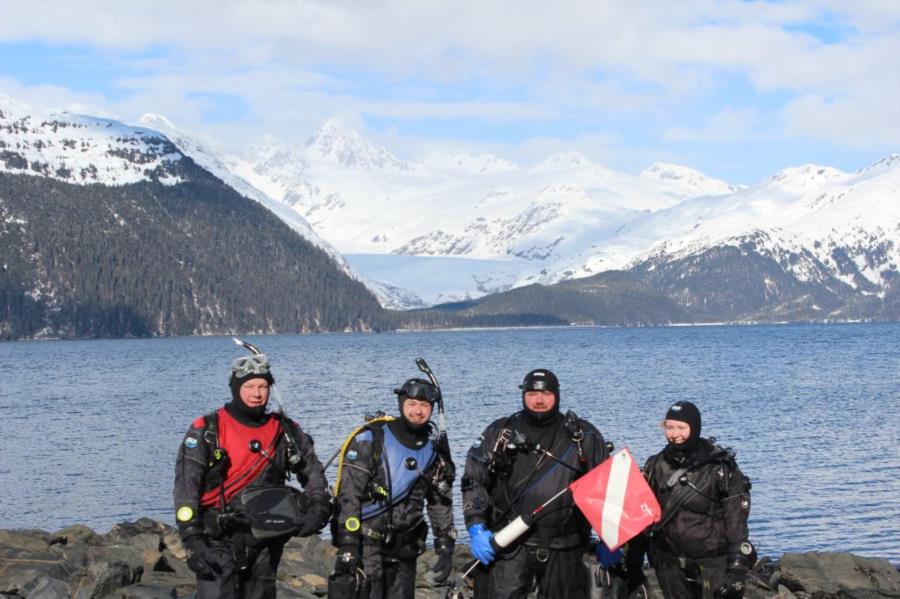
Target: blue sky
{"points": [[735, 89]]}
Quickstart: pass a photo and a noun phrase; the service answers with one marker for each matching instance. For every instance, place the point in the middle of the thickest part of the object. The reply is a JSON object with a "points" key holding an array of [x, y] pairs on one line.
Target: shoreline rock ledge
{"points": [[144, 559]]}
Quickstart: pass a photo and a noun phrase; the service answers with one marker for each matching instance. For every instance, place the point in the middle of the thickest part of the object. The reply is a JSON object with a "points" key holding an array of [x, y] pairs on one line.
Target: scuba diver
{"points": [[700, 547], [390, 469], [232, 506], [515, 465]]}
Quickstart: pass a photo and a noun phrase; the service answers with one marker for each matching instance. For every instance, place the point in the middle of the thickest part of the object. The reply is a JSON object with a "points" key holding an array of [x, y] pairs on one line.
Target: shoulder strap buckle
{"points": [[211, 430]]}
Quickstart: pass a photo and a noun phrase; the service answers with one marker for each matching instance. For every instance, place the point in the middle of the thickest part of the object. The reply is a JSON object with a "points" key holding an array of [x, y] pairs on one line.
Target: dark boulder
{"points": [[824, 575], [144, 559]]}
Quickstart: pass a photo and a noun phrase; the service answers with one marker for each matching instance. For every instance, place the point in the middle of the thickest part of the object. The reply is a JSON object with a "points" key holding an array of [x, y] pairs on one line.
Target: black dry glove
{"points": [[636, 580], [739, 564], [314, 520], [200, 558], [347, 560], [733, 587], [634, 564], [444, 549]]}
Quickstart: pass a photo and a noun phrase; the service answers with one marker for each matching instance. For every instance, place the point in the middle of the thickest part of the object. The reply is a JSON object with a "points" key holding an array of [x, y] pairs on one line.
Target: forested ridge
{"points": [[150, 259]]}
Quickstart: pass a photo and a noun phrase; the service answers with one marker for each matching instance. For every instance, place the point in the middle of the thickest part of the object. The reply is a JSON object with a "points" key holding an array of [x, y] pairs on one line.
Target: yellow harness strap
{"points": [[356, 431]]}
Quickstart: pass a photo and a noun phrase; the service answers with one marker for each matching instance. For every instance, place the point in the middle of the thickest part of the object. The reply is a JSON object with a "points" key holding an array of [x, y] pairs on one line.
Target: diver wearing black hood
{"points": [[241, 448], [680, 451], [700, 547], [517, 463], [250, 416], [389, 472]]}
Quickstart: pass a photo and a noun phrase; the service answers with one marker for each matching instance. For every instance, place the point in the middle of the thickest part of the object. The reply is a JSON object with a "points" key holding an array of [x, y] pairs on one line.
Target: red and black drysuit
{"points": [[215, 464]]}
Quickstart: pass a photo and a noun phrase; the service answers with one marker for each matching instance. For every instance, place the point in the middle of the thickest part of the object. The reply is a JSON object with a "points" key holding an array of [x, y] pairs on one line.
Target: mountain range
{"points": [[490, 225], [483, 240]]}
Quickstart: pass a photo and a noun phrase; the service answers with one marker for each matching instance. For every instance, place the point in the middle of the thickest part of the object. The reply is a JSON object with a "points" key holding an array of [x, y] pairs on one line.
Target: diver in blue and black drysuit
{"points": [[390, 472]]}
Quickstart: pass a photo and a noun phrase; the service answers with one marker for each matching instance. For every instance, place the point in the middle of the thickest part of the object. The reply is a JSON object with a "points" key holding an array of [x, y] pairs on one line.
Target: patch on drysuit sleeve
{"points": [[191, 442], [352, 455]]}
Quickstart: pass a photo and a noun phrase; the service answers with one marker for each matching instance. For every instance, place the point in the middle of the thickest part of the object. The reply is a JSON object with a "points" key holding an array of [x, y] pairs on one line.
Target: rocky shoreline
{"points": [[145, 560]]}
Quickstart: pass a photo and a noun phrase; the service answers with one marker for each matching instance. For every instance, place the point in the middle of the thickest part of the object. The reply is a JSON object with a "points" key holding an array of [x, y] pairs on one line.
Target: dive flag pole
{"points": [[613, 496], [515, 529]]}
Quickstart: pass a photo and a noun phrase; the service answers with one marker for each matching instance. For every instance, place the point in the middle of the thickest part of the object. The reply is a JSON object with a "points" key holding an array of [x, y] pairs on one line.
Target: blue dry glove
{"points": [[480, 539], [606, 558]]}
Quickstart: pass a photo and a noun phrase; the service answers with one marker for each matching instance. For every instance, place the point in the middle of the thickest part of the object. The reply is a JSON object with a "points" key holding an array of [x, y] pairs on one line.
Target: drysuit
{"points": [[390, 473], [512, 477], [215, 465], [700, 547]]}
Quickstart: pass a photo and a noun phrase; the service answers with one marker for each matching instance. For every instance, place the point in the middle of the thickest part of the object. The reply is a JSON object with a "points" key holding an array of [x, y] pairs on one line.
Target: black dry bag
{"points": [[273, 511]]}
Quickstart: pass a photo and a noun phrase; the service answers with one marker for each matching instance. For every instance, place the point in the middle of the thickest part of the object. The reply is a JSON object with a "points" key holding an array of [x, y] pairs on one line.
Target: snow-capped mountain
{"points": [[276, 158], [112, 230], [848, 222], [691, 182], [566, 217], [87, 150], [344, 147], [213, 160], [83, 149], [448, 227], [208, 157], [365, 200], [808, 242]]}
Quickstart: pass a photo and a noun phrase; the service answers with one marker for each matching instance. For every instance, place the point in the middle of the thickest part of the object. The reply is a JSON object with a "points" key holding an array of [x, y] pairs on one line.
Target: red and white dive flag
{"points": [[616, 500]]}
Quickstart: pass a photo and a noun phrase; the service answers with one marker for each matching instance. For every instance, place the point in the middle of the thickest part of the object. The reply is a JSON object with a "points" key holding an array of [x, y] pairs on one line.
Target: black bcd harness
{"points": [[270, 512]]}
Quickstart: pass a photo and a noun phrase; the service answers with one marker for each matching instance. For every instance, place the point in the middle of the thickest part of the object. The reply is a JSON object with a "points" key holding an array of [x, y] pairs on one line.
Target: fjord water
{"points": [[89, 429]]}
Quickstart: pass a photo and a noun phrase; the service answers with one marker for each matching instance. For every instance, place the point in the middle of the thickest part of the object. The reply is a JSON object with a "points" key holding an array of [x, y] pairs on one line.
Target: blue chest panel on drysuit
{"points": [[401, 479]]}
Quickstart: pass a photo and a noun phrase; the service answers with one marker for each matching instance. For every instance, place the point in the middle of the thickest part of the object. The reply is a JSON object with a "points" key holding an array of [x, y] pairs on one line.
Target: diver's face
{"points": [[255, 393], [417, 411], [540, 401], [677, 432]]}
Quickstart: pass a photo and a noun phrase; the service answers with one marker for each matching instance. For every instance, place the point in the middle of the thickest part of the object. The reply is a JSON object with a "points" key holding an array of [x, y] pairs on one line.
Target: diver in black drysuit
{"points": [[700, 548], [390, 472], [507, 479]]}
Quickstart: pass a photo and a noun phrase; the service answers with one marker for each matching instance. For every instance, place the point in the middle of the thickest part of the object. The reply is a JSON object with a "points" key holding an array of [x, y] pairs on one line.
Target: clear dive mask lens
{"points": [[250, 365]]}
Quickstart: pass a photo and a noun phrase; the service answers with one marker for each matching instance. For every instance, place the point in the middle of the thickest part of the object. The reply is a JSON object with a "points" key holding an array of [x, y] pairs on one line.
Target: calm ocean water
{"points": [[90, 429]]}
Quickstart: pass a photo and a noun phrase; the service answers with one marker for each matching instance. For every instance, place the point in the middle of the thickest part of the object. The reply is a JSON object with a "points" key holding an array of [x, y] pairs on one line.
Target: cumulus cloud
{"points": [[294, 63], [727, 126], [859, 123]]}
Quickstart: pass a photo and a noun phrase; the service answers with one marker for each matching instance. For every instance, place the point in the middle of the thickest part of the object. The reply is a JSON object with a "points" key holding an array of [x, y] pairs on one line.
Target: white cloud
{"points": [[727, 126], [59, 98], [294, 63], [857, 123]]}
